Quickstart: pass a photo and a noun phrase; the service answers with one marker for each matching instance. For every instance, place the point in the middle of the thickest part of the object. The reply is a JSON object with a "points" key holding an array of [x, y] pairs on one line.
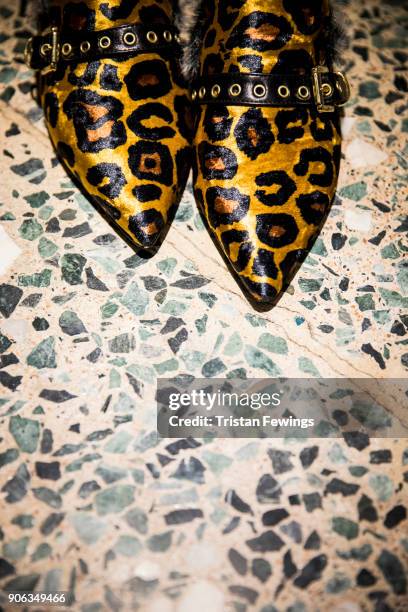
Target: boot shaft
{"points": [[98, 15], [263, 36]]}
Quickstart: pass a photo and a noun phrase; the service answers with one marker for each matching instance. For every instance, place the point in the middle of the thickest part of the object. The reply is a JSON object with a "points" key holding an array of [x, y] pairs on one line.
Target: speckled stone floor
{"points": [[90, 499]]}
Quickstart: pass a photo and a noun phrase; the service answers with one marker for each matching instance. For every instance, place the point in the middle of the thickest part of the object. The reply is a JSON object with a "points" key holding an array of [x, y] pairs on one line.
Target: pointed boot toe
{"points": [[117, 110], [267, 142]]}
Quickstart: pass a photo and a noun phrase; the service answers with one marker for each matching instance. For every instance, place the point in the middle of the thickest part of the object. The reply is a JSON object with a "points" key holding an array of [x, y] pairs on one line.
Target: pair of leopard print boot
{"points": [[137, 91]]}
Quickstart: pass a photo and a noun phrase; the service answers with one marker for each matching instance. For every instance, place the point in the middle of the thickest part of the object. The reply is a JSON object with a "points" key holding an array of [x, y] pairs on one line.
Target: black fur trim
{"points": [[191, 25], [335, 36], [192, 22]]}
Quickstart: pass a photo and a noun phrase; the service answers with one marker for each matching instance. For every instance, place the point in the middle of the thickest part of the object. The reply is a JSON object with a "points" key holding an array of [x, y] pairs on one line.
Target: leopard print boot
{"points": [[116, 107], [267, 143]]}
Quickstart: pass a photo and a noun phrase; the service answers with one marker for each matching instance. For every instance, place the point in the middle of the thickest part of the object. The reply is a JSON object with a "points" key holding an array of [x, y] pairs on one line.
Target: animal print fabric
{"points": [[265, 177], [122, 126]]}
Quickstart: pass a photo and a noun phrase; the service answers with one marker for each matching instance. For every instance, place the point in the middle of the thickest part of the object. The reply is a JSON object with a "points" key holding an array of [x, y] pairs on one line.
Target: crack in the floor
{"points": [[287, 336]]}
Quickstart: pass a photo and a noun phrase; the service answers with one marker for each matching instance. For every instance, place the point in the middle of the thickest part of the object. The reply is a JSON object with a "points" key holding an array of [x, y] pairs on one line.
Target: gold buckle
{"points": [[53, 50], [343, 86], [318, 91], [28, 52]]}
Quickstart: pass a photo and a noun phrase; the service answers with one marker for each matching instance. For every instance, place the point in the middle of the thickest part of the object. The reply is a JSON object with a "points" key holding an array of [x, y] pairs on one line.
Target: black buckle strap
{"points": [[46, 51], [322, 88]]}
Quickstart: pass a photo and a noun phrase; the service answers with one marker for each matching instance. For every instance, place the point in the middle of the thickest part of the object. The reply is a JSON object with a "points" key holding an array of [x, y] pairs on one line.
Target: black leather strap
{"points": [[322, 88], [49, 49]]}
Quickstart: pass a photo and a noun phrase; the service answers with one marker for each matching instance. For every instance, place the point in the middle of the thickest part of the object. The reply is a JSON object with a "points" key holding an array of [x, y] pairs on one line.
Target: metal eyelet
{"points": [[303, 92], [45, 49], [193, 94], [66, 49], [151, 37], [85, 46], [201, 92], [327, 89], [168, 36], [104, 42], [235, 89], [259, 90], [318, 93], [215, 91], [283, 91], [129, 38]]}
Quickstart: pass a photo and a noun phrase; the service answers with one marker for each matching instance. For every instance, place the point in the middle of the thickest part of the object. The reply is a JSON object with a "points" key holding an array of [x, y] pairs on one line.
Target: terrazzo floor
{"points": [[90, 500]]}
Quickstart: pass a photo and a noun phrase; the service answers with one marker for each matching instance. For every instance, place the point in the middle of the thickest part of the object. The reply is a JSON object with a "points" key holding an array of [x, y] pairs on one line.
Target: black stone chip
{"points": [[238, 561], [293, 530], [339, 486], [376, 240], [294, 500], [192, 470], [308, 455], [380, 456], [6, 569], [289, 568], [395, 516], [313, 541], [233, 524], [236, 502], [281, 462], [9, 298], [49, 471], [46, 441], [312, 501], [53, 226], [92, 282], [32, 300], [267, 489], [183, 444], [366, 510], [164, 459], [9, 381], [356, 439], [267, 541], [78, 231], [369, 350], [40, 324], [338, 241], [273, 517], [311, 572], [56, 396], [87, 488], [16, 487], [176, 517], [192, 281], [249, 594], [261, 568], [344, 283], [398, 329], [381, 206], [393, 572], [30, 166], [13, 130], [341, 417], [176, 342], [153, 283], [51, 522], [7, 360], [365, 578], [172, 324], [94, 355], [5, 343]]}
